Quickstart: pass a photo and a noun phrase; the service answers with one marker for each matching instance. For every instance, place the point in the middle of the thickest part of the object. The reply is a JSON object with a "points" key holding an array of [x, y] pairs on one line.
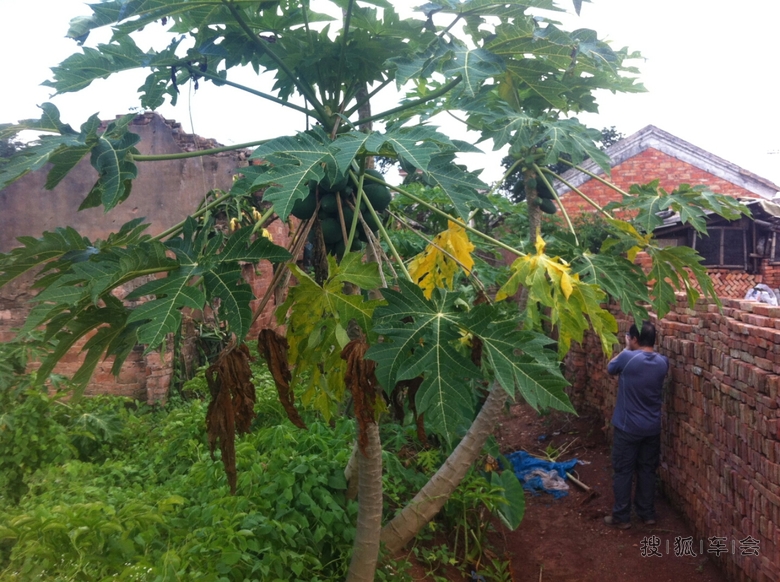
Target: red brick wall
{"points": [[720, 460], [645, 167]]}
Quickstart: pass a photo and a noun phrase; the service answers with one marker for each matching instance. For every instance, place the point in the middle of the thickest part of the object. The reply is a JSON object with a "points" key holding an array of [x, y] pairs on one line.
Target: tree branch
{"points": [[579, 192], [302, 87], [594, 176], [196, 154], [433, 95], [443, 214], [558, 200], [217, 78]]}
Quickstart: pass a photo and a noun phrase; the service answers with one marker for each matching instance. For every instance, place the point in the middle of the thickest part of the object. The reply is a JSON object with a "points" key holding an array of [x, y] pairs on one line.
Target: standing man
{"points": [[636, 444]]}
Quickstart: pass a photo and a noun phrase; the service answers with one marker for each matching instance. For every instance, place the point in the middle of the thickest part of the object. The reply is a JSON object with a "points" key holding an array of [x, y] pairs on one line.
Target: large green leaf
{"points": [[36, 252], [219, 264], [692, 203], [474, 66], [111, 316], [460, 186], [122, 54], [226, 284], [293, 161], [136, 14], [49, 122], [671, 271], [34, 157], [620, 278], [539, 79], [112, 158], [415, 144], [519, 360], [513, 510], [570, 137], [419, 339]]}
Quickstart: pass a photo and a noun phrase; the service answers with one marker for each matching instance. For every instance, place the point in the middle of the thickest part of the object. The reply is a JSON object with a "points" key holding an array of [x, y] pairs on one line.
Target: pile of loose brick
{"points": [[731, 283], [721, 436]]}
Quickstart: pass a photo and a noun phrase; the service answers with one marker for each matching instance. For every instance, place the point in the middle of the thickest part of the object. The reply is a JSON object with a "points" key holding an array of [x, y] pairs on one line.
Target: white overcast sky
{"points": [[711, 68]]}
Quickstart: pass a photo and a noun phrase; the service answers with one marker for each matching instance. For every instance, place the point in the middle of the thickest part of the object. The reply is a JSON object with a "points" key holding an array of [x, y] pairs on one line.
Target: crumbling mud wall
{"points": [[164, 193]]}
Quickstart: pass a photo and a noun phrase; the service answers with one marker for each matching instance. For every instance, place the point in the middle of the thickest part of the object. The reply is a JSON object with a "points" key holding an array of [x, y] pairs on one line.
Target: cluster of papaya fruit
{"points": [[546, 199], [343, 193]]}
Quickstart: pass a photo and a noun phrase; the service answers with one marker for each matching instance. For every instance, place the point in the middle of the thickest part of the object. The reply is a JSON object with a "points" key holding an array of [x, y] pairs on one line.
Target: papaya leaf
{"points": [[34, 157], [293, 162], [49, 122], [551, 284], [426, 346], [197, 256], [113, 316], [317, 319], [436, 266], [519, 360], [536, 76], [459, 186], [620, 278], [671, 271], [473, 65], [513, 509], [162, 315], [692, 203], [415, 144], [226, 284], [37, 252], [240, 247], [570, 137], [64, 160], [121, 54], [112, 158]]}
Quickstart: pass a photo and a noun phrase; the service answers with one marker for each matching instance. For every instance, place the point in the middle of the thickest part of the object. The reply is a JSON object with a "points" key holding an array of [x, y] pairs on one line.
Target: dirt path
{"points": [[566, 539]]}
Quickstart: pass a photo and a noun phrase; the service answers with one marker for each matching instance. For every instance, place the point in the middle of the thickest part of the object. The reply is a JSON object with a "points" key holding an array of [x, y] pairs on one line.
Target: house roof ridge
{"points": [[653, 137]]}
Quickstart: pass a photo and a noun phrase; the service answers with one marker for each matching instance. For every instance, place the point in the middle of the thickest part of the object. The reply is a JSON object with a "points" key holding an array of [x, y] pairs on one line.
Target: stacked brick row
{"points": [[721, 439]]}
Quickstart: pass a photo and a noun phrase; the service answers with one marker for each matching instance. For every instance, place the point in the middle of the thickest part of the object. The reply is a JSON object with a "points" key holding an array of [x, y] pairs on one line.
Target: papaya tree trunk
{"points": [[432, 497], [532, 201], [365, 550]]}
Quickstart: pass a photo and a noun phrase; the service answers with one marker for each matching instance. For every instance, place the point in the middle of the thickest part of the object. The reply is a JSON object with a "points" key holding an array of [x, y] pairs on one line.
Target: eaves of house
{"points": [[673, 154]]}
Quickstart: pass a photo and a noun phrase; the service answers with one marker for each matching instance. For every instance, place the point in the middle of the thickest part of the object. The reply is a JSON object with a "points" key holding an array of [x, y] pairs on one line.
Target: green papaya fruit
{"points": [[304, 208], [378, 196], [337, 185], [544, 192], [547, 206], [331, 230], [372, 224], [328, 204]]}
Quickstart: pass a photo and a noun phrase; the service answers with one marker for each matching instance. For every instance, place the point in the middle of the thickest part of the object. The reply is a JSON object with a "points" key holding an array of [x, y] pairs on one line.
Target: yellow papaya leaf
{"points": [[437, 265], [632, 252], [571, 304]]}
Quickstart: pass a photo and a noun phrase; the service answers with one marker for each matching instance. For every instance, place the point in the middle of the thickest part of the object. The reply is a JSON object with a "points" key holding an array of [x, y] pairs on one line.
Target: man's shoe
{"points": [[618, 524], [650, 521]]}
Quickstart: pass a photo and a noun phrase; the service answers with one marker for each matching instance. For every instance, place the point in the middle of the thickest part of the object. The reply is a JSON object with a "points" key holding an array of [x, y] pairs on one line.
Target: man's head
{"points": [[644, 338]]}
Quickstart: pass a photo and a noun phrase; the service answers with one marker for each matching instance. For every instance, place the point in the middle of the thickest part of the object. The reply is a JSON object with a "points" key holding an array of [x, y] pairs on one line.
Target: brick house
{"points": [[720, 445], [739, 254]]}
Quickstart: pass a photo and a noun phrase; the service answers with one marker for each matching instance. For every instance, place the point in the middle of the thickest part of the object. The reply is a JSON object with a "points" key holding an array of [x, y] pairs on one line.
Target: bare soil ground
{"points": [[566, 539]]}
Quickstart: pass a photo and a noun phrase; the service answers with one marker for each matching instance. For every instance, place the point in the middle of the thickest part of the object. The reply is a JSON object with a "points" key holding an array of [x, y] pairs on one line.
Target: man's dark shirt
{"points": [[639, 398]]}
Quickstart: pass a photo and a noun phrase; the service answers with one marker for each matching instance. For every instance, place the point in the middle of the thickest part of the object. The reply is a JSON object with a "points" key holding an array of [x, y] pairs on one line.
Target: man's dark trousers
{"points": [[629, 453]]}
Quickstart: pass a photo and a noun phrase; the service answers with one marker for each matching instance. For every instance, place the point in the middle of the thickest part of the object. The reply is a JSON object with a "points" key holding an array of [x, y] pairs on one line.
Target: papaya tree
{"points": [[366, 320]]}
